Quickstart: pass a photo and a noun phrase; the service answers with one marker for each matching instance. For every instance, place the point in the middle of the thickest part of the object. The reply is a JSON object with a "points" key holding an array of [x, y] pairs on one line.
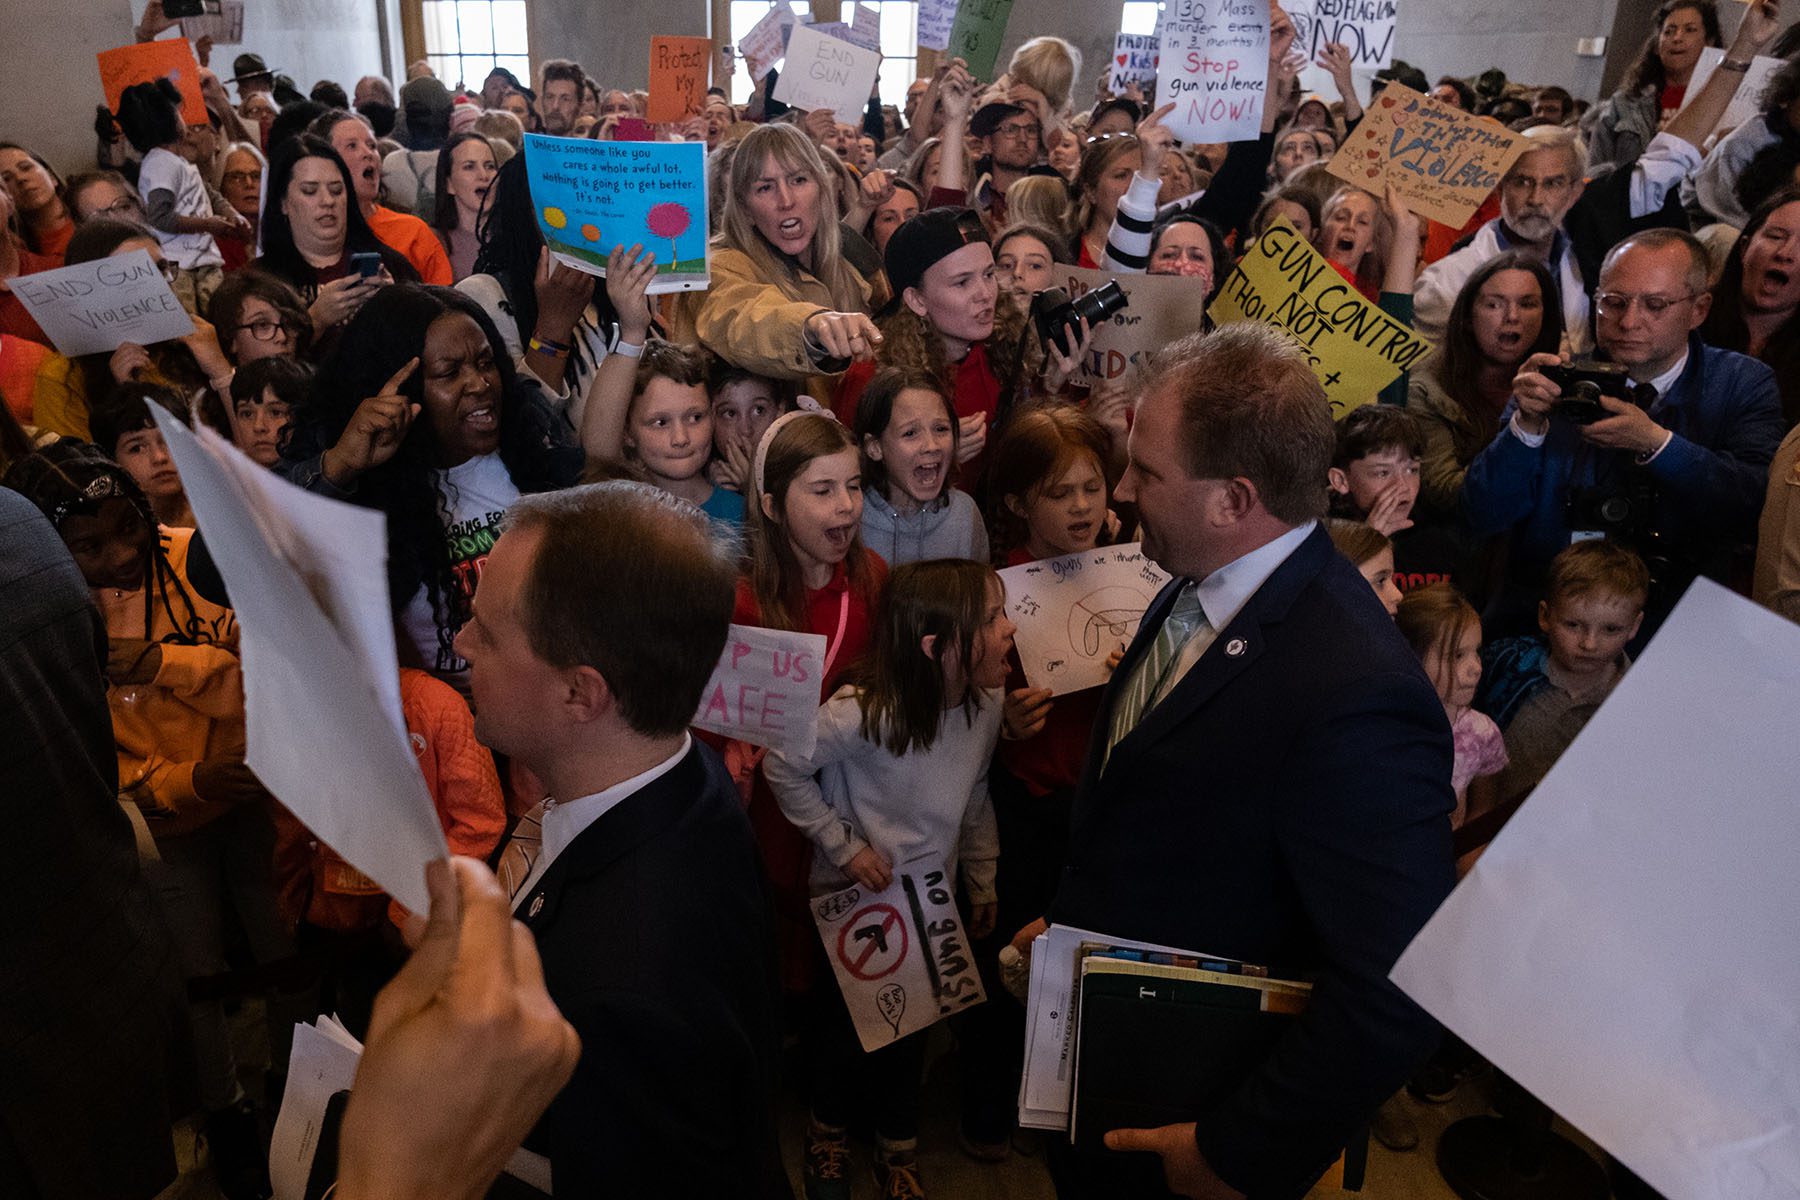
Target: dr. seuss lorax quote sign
{"points": [[591, 196], [1441, 160]]}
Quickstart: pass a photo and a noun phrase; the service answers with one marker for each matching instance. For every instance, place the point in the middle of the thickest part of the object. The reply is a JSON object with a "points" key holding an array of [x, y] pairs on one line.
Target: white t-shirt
{"points": [[472, 499], [165, 171]]}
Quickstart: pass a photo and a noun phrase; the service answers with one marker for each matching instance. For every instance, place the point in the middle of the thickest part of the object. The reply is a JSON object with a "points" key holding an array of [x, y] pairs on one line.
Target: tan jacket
{"points": [[1451, 442], [1777, 585], [751, 322]]}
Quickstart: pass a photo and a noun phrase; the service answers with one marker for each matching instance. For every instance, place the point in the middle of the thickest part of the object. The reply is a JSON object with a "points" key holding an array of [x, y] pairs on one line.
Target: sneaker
{"points": [[234, 1145], [897, 1176], [987, 1152], [827, 1169], [1393, 1126]]}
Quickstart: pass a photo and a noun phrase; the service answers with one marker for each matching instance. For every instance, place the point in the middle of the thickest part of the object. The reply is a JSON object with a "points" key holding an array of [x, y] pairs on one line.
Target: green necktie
{"points": [[1184, 620]]}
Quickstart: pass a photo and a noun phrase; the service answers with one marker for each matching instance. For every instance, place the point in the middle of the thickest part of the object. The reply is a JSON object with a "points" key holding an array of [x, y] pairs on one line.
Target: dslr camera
{"points": [[1582, 386], [1058, 318]]}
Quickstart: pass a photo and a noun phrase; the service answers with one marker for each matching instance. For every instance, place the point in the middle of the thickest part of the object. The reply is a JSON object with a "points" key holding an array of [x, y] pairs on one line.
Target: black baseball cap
{"points": [[987, 118], [928, 239]]}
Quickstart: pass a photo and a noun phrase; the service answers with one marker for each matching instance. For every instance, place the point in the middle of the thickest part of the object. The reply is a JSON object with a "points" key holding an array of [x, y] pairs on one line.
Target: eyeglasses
{"points": [[250, 177], [264, 329], [124, 206], [1617, 304], [1017, 130]]}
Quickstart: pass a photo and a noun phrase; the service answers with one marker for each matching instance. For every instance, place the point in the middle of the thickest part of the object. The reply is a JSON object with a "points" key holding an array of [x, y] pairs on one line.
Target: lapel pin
{"points": [[1235, 647], [537, 905]]}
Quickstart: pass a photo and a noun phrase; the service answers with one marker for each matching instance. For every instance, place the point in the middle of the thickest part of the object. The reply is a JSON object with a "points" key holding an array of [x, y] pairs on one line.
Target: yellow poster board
{"points": [[1355, 348]]}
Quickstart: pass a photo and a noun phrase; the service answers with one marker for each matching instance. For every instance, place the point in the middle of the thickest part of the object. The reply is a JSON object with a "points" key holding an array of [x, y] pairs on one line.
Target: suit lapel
{"points": [[1134, 654]]}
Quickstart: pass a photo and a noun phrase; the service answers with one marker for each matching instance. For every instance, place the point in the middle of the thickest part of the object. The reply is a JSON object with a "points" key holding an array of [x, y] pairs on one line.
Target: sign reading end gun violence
{"points": [[1355, 348]]}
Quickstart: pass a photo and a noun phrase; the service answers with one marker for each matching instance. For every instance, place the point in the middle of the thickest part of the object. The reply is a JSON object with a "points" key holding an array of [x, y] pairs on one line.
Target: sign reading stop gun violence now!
{"points": [[1355, 348]]}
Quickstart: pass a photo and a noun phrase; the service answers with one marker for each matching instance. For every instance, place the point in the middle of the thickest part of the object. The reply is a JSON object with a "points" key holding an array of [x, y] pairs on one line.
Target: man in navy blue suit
{"points": [[1269, 778]]}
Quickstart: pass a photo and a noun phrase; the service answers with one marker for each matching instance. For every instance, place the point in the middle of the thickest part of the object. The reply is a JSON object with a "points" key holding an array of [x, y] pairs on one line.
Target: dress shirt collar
{"points": [[565, 820], [1665, 383], [1224, 593]]}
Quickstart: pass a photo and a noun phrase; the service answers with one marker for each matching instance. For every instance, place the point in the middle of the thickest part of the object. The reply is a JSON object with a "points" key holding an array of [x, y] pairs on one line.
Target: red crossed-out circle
{"points": [[855, 957]]}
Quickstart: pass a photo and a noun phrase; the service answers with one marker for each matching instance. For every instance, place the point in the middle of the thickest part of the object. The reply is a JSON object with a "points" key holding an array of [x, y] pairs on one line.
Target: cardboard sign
{"points": [[826, 72], [1355, 348], [865, 30], [1134, 60], [767, 41], [976, 34], [936, 19], [1073, 612], [172, 59], [679, 69], [1746, 102], [1634, 921], [96, 307], [901, 956], [1364, 27], [1444, 162], [1162, 309], [308, 582], [591, 196], [1215, 67], [765, 689], [225, 27]]}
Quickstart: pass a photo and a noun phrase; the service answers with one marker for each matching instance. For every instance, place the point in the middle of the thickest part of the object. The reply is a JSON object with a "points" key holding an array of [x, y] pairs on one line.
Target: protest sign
{"points": [[1160, 310], [1135, 56], [1363, 27], [976, 34], [225, 27], [865, 30], [171, 59], [591, 196], [936, 18], [767, 41], [1355, 348], [826, 72], [633, 129], [1073, 612], [678, 75], [1746, 102], [1634, 921], [765, 689], [1215, 68], [323, 726], [901, 956], [1444, 162], [95, 307]]}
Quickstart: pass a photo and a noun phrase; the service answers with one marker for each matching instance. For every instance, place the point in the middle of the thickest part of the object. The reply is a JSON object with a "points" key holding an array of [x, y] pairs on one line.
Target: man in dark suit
{"points": [[1270, 773], [599, 617]]}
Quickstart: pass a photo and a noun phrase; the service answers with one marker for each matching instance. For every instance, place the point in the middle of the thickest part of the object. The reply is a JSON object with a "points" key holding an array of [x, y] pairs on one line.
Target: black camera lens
{"points": [[1057, 317], [1615, 510], [1100, 303]]}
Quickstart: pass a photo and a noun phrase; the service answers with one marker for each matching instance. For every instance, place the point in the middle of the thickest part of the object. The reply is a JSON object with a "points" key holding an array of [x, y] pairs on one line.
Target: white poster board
{"points": [[1135, 56], [1073, 612], [765, 690], [1626, 948], [865, 29], [826, 72], [767, 41], [901, 955], [1214, 67], [96, 307], [1746, 102], [936, 19], [308, 581], [1364, 27]]}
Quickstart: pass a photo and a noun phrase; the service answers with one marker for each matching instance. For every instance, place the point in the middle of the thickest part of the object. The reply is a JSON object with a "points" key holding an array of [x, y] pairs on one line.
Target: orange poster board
{"points": [[172, 59], [678, 74]]}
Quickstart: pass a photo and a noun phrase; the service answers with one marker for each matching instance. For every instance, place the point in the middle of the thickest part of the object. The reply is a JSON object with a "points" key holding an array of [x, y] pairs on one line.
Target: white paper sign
{"points": [[95, 307], [767, 41], [1134, 60], [865, 29], [901, 956], [825, 72], [765, 689], [1073, 612], [1746, 102], [308, 581], [1626, 948], [936, 19], [225, 27], [1364, 27], [1215, 67]]}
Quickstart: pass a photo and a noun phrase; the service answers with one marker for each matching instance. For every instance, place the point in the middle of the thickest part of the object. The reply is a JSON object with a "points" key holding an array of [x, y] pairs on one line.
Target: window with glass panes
{"points": [[899, 42], [465, 39]]}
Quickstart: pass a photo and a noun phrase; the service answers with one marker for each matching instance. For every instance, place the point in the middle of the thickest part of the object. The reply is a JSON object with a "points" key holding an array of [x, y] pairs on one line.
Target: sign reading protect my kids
{"points": [[591, 196]]}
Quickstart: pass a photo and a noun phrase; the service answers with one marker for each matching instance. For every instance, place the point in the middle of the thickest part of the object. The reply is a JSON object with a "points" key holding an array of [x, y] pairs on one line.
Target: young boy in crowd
{"points": [[264, 395], [1374, 478], [1541, 689]]}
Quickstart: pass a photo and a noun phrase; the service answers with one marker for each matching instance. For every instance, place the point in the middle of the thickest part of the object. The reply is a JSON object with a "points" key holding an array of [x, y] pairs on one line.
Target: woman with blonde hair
{"points": [[784, 302], [1041, 200], [1107, 167]]}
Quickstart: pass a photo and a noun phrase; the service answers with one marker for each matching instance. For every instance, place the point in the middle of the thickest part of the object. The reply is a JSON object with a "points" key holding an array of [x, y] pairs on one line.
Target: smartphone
{"points": [[367, 264]]}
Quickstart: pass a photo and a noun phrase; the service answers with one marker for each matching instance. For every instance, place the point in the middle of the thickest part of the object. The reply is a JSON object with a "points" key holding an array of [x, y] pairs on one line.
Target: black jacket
{"points": [[1286, 804]]}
